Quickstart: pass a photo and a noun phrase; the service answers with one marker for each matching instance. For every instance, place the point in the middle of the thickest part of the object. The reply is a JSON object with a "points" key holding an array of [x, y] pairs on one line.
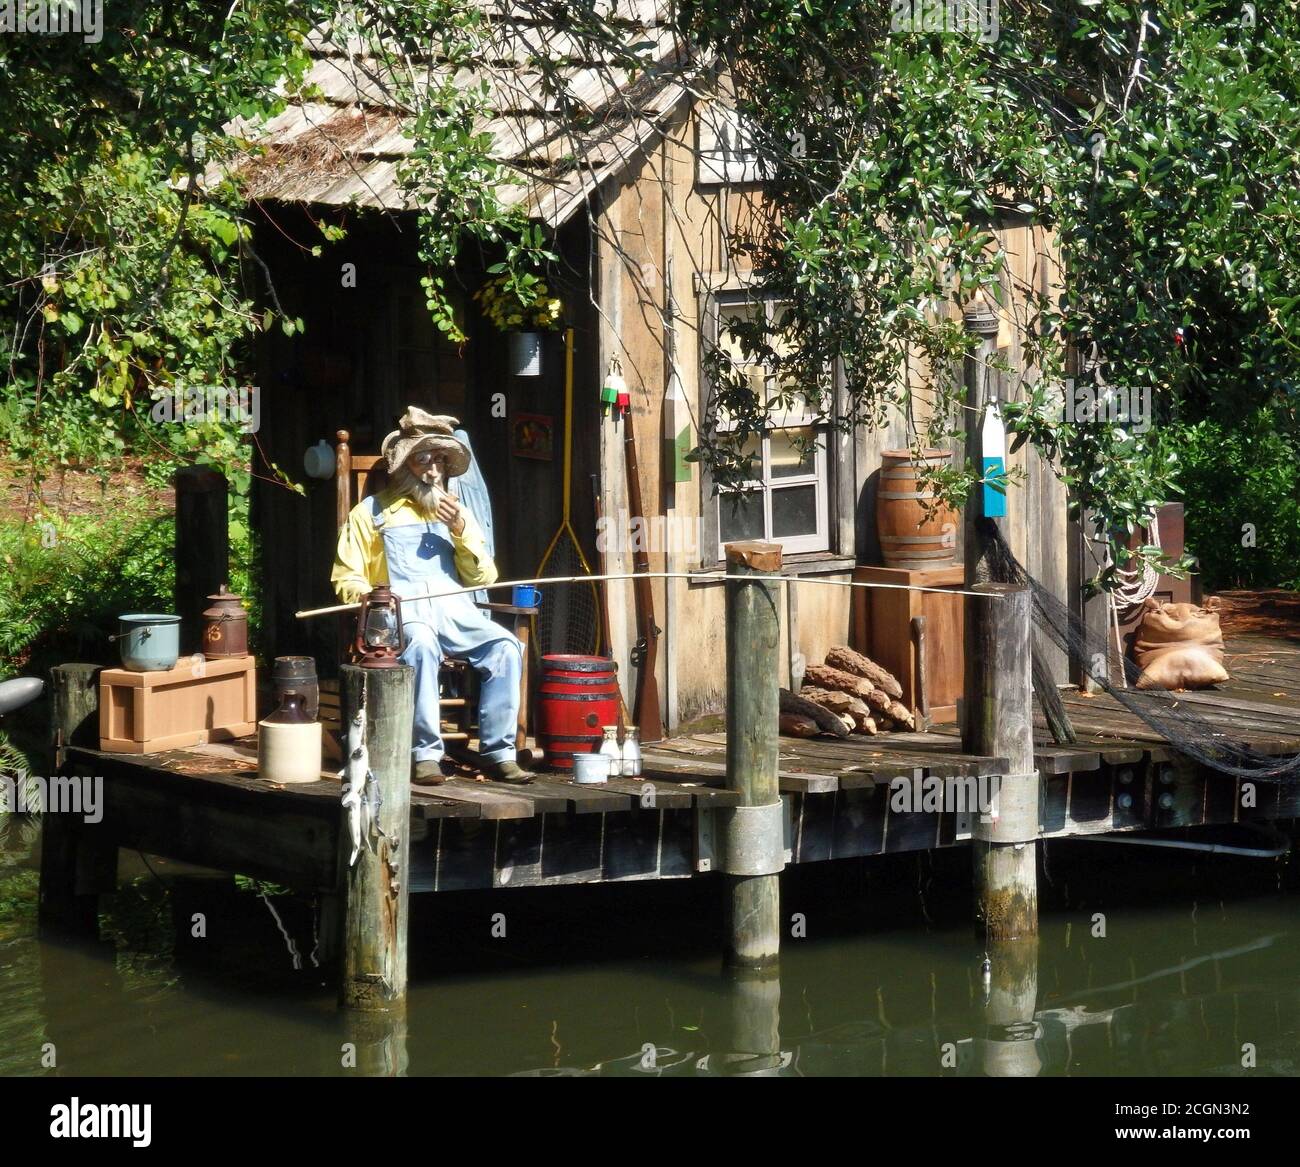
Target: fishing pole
{"points": [[699, 576]]}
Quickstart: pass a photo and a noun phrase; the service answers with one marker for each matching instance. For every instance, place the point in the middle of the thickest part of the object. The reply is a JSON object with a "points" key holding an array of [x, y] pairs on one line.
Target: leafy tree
{"points": [[122, 272], [1156, 140]]}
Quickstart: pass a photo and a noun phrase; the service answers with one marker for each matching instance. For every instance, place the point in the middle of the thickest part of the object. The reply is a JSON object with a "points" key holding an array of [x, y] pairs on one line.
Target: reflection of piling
{"points": [[998, 721], [378, 1043], [376, 886], [753, 1042], [78, 860], [752, 839], [1011, 1034]]}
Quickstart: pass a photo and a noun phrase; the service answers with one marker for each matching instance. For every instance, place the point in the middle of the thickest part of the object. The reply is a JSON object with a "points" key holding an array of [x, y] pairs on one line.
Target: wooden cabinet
{"points": [[882, 628]]}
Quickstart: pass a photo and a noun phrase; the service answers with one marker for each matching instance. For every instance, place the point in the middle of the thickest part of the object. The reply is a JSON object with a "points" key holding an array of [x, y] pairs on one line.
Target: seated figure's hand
{"points": [[449, 512]]}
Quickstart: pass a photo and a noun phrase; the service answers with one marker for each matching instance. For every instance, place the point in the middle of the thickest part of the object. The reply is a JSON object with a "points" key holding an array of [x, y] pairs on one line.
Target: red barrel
{"points": [[577, 696]]}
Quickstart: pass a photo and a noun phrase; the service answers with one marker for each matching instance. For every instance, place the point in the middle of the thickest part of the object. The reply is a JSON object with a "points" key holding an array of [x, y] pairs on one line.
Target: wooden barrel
{"points": [[577, 696], [909, 538]]}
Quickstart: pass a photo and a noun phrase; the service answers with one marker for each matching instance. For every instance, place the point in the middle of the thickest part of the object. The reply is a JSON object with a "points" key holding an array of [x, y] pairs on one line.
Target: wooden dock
{"points": [[744, 804], [206, 804]]}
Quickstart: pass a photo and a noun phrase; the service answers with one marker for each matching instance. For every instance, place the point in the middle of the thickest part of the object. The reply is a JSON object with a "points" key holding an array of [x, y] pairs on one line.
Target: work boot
{"points": [[506, 772], [430, 773]]}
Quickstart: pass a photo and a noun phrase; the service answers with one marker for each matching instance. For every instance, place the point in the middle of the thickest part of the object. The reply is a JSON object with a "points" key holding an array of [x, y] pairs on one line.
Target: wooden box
{"points": [[882, 628], [191, 704]]}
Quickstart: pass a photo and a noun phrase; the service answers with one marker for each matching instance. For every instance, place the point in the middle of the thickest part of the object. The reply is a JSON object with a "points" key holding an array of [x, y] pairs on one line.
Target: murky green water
{"points": [[1196, 972]]}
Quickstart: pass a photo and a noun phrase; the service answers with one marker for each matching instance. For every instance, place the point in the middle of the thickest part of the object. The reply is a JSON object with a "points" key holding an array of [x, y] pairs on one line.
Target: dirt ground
{"points": [[74, 492]]}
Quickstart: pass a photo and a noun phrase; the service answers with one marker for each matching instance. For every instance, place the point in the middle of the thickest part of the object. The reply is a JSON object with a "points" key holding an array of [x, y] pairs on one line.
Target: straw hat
{"points": [[420, 430]]}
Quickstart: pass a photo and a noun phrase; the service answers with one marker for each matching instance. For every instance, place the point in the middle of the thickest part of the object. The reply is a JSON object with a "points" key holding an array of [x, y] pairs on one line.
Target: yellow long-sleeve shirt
{"points": [[360, 562]]}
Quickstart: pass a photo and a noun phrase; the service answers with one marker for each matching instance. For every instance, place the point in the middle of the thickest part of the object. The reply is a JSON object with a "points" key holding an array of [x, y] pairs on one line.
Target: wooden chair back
{"points": [[356, 476]]}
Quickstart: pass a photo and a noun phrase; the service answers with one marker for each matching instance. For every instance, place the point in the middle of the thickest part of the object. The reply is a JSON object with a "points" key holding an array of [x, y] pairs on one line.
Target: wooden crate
{"points": [[882, 628], [143, 713]]}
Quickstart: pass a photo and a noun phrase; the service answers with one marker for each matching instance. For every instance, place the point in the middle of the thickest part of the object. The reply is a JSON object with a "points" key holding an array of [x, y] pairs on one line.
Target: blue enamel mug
{"points": [[526, 596]]}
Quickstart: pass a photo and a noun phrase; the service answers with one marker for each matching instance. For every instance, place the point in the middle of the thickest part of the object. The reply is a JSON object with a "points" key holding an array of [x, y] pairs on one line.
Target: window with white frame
{"points": [[785, 500]]}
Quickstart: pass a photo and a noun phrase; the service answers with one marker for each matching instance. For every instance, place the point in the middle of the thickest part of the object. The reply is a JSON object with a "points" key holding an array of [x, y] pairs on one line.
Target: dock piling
{"points": [[753, 845], [998, 721], [376, 886], [77, 863]]}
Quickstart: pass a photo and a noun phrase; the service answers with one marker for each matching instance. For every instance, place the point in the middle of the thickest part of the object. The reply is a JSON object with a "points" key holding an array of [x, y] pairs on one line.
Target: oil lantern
{"points": [[225, 627], [379, 629]]}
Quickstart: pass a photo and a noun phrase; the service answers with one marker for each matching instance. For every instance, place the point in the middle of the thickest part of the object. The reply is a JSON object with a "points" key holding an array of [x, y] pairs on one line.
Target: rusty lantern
{"points": [[379, 629]]}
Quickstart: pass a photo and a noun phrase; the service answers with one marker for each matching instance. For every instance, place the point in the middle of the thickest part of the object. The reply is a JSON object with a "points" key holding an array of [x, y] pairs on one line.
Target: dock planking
{"points": [[207, 804]]}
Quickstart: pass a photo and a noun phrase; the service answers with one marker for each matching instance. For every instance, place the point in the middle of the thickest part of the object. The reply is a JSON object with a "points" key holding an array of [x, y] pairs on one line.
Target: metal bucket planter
{"points": [[526, 354], [148, 642]]}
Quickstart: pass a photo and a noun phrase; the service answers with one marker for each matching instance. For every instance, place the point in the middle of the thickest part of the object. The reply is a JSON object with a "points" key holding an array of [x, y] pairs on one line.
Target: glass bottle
{"points": [[610, 751], [631, 767]]}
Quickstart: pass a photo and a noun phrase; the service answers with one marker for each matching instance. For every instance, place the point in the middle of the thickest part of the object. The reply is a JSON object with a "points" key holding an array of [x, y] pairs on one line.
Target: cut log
{"points": [[797, 725], [878, 702], [835, 700], [899, 713], [865, 724], [828, 677], [790, 703], [842, 657]]}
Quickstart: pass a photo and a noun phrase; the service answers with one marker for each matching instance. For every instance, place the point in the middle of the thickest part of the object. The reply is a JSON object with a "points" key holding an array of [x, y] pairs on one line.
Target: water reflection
{"points": [[629, 982]]}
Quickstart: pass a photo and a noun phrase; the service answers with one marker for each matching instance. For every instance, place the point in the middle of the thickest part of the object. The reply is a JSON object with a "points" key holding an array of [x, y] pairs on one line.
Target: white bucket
{"points": [[526, 354], [289, 751]]}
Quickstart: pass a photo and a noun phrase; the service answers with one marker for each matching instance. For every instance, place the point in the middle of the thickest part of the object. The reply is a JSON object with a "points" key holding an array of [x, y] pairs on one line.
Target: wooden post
{"points": [[1093, 612], [376, 886], [981, 321], [998, 721], [77, 861], [202, 546], [751, 835]]}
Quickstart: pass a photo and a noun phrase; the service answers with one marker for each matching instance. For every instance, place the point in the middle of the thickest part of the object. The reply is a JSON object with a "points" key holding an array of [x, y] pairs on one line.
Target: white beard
{"points": [[426, 491]]}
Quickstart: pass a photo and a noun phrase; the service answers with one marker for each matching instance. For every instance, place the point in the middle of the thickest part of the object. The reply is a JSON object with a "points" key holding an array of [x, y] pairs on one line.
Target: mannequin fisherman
{"points": [[417, 538]]}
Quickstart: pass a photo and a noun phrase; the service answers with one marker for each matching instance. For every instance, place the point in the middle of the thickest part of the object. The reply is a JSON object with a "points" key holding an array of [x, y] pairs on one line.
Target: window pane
{"points": [[790, 454], [755, 374], [794, 511], [740, 515]]}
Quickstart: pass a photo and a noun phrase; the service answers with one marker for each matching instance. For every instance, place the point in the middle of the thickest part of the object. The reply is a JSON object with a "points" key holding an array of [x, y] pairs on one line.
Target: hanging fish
{"points": [[355, 775]]}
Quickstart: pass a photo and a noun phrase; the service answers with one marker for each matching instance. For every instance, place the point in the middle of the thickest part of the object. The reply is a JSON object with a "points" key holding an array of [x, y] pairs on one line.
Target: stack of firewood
{"points": [[848, 694]]}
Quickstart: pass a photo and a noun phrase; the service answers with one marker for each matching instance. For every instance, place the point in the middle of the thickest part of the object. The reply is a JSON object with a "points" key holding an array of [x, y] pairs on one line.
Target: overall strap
{"points": [[376, 511]]}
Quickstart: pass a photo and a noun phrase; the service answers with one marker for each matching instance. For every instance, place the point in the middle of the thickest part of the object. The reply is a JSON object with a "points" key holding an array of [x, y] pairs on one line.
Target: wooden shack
{"points": [[647, 208]]}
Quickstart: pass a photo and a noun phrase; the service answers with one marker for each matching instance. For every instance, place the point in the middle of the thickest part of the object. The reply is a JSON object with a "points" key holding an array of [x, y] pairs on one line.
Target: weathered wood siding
{"points": [[660, 245]]}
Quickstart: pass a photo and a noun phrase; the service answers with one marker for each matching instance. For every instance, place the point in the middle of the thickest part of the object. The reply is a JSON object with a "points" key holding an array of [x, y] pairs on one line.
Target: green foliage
{"points": [[1238, 473], [122, 272], [67, 579], [1157, 142]]}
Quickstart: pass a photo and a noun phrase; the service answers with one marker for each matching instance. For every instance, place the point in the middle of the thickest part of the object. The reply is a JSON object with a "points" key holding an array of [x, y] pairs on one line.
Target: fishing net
{"points": [[1162, 710], [568, 614]]}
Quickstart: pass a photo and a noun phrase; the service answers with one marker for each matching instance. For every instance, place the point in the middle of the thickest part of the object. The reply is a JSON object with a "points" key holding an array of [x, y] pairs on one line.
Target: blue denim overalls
{"points": [[420, 560]]}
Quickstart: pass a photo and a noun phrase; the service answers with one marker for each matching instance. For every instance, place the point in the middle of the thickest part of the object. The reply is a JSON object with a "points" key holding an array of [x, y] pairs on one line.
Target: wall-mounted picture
{"points": [[532, 435]]}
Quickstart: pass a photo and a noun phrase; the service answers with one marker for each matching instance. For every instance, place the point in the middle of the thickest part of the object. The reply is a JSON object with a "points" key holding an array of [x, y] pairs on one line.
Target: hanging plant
{"points": [[519, 303]]}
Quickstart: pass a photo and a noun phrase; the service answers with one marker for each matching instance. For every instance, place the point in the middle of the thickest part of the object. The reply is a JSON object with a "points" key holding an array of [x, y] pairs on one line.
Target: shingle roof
{"points": [[342, 142]]}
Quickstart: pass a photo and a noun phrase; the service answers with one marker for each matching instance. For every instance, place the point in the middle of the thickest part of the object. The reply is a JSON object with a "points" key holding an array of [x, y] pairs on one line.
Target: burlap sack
{"points": [[1179, 646]]}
